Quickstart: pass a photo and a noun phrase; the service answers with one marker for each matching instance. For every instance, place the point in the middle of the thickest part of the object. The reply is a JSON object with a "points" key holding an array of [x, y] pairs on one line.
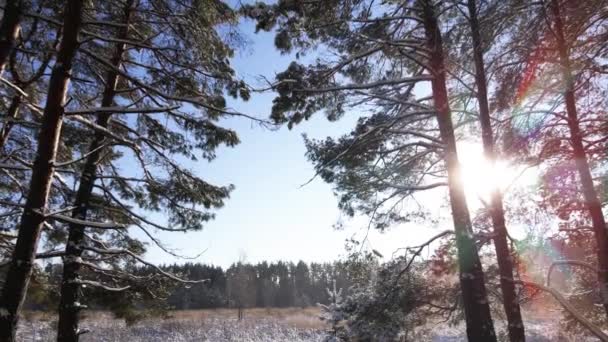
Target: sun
{"points": [[479, 177]]}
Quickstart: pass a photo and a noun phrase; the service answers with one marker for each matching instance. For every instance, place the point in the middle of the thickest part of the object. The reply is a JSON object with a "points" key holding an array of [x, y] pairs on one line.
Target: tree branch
{"points": [[91, 224], [141, 260], [121, 110], [568, 262], [568, 307]]}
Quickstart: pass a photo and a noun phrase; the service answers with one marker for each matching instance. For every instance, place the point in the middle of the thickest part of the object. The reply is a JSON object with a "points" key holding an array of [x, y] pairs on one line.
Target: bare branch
{"points": [[98, 225], [141, 260], [50, 254], [568, 307], [356, 86], [83, 157], [121, 110], [405, 188], [100, 285], [568, 262]]}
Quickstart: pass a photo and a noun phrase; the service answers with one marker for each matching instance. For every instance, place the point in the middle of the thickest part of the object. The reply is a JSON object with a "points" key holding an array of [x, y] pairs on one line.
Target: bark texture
{"points": [[20, 268]]}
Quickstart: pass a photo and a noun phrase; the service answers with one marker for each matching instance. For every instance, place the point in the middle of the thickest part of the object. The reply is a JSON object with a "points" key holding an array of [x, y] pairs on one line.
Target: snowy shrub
{"points": [[379, 308]]}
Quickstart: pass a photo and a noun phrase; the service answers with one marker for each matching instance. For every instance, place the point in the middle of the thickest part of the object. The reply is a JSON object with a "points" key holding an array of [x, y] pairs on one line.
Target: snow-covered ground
{"points": [[252, 329], [537, 330], [213, 330]]}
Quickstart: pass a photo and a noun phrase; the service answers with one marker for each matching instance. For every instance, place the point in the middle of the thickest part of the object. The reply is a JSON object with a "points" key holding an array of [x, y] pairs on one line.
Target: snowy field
{"points": [[298, 325], [259, 325], [215, 330]]}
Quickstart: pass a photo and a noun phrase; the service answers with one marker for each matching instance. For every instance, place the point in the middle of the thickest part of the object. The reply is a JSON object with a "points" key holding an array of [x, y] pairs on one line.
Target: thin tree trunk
{"points": [[478, 318], [592, 201], [11, 114], [20, 269], [67, 328], [503, 254], [9, 30]]}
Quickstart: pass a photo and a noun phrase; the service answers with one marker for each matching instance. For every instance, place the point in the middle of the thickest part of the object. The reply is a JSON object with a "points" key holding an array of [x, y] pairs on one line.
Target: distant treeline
{"points": [[274, 284], [264, 284]]}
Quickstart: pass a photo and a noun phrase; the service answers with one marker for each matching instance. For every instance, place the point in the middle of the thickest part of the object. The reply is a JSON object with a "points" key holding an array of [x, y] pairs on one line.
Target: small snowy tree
{"points": [[334, 314], [381, 308]]}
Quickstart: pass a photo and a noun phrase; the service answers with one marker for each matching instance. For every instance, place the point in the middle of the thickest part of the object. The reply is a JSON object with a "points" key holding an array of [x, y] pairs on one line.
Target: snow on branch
{"points": [[101, 286], [168, 97], [419, 250], [354, 86], [141, 260], [412, 188], [104, 131], [50, 254], [122, 110], [99, 225], [568, 307]]}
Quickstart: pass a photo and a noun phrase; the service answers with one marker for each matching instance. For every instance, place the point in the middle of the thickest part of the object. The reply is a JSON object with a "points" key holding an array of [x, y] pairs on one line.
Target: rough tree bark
{"points": [[480, 326], [592, 201], [67, 329], [20, 268], [503, 254], [9, 30]]}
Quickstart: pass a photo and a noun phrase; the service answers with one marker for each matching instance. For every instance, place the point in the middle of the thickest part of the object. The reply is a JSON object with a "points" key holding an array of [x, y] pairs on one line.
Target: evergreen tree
{"points": [[496, 208], [177, 76], [69, 308], [380, 306], [185, 62], [592, 201], [302, 285], [563, 116], [384, 53], [20, 269]]}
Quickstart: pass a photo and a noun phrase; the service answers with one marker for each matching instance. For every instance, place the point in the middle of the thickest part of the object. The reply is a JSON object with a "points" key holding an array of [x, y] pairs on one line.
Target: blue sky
{"points": [[269, 215]]}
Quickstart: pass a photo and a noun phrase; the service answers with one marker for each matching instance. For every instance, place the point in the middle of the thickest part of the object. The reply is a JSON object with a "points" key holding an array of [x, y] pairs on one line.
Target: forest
{"points": [[261, 285], [113, 113]]}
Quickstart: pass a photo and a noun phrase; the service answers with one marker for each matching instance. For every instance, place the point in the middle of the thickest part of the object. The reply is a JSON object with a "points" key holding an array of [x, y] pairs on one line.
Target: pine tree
{"points": [[24, 83], [190, 69], [13, 291], [187, 65], [384, 53], [503, 253], [69, 308], [592, 201], [559, 38]]}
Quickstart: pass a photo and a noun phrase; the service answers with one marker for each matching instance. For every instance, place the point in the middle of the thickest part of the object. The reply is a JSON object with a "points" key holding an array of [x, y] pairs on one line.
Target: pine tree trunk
{"points": [[592, 201], [69, 307], [11, 114], [479, 322], [503, 254], [20, 269], [9, 30]]}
